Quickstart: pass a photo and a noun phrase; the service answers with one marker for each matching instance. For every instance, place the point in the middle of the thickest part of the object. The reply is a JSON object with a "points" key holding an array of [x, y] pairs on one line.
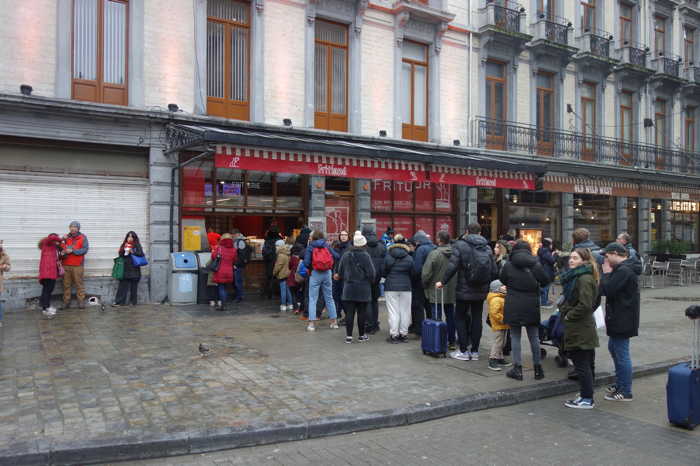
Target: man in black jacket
{"points": [[620, 285], [245, 251], [377, 251], [470, 295]]}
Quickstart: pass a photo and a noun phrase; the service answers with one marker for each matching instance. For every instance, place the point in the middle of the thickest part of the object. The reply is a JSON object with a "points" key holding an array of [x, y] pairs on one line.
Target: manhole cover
{"points": [[688, 299]]}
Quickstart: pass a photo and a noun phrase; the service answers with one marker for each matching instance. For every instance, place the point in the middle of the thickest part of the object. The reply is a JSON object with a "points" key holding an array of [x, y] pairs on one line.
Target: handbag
{"points": [[214, 264], [118, 268], [599, 317], [138, 261]]}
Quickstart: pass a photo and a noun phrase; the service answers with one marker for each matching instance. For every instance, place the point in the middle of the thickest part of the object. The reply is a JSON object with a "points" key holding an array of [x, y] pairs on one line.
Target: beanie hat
{"points": [[358, 240], [74, 223], [495, 286]]}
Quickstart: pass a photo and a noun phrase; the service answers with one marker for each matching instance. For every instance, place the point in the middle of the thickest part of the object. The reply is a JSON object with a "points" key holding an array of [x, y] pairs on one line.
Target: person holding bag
{"points": [[580, 290], [50, 269], [225, 254], [132, 255]]}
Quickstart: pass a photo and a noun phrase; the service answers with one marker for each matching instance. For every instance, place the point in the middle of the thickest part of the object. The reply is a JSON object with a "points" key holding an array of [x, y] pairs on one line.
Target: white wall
{"points": [[377, 86]]}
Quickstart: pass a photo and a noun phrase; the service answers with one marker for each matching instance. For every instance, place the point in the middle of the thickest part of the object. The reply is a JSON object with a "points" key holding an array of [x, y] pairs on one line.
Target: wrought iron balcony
{"points": [[633, 54], [507, 19], [596, 42], [568, 145], [667, 64], [552, 28]]}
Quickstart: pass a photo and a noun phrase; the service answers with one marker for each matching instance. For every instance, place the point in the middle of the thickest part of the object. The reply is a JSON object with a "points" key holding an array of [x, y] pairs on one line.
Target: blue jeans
{"points": [[286, 297], [222, 292], [544, 295], [620, 352], [238, 277], [323, 281], [449, 317]]}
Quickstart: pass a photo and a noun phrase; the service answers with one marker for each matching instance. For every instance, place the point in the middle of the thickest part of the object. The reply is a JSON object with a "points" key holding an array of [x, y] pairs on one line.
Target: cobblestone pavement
{"points": [[536, 433], [91, 375]]}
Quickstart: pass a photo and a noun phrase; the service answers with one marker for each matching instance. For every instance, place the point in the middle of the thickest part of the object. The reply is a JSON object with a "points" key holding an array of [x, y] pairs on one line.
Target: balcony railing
{"points": [[507, 19], [667, 64], [634, 54], [552, 28], [596, 42], [568, 145], [692, 74]]}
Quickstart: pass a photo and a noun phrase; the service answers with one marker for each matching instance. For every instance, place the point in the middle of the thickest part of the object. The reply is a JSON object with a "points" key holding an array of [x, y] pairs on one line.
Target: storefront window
{"points": [[288, 195], [684, 222], [230, 189], [597, 214], [409, 207], [656, 219], [259, 190], [534, 211], [633, 220]]}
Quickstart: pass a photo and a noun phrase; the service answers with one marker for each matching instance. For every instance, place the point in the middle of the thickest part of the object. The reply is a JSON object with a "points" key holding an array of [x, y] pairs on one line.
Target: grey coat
{"points": [[398, 268], [357, 273]]}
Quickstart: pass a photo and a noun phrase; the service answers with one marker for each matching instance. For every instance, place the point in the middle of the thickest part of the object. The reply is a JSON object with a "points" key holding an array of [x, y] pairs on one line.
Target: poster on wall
{"points": [[337, 217], [191, 238]]}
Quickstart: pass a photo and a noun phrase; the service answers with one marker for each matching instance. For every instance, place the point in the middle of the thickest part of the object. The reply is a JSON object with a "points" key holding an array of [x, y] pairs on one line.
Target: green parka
{"points": [[433, 270], [579, 324]]}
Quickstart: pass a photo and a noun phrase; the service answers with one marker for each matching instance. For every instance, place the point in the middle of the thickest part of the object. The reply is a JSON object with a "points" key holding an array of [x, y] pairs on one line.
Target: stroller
{"points": [[551, 334]]}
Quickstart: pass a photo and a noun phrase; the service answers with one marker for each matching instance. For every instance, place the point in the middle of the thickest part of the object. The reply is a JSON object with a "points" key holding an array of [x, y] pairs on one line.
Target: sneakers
{"points": [[618, 396], [283, 308], [539, 373], [494, 366], [290, 307], [516, 372], [580, 403], [460, 356], [504, 363], [403, 338], [611, 389], [394, 339], [341, 321], [363, 338], [348, 340], [49, 312], [212, 303], [474, 356], [334, 325], [311, 328]]}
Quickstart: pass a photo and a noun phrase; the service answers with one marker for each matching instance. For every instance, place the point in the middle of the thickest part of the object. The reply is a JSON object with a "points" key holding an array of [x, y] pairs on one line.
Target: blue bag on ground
{"points": [[683, 387], [434, 332]]}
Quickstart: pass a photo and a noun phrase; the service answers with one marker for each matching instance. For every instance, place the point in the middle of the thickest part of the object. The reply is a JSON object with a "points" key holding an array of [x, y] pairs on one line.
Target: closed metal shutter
{"points": [[32, 206]]}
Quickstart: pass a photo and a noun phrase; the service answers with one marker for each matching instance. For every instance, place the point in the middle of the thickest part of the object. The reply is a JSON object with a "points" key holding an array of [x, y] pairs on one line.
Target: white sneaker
{"points": [[311, 328], [460, 356], [212, 303], [474, 356], [50, 312], [283, 308], [290, 307]]}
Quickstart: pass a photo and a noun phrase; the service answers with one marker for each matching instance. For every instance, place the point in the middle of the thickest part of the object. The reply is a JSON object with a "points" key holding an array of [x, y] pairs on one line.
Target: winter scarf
{"points": [[569, 279]]}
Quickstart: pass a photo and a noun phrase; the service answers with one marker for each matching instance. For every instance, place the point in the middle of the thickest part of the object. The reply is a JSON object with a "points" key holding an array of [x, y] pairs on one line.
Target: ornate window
{"points": [[414, 91], [331, 76]]}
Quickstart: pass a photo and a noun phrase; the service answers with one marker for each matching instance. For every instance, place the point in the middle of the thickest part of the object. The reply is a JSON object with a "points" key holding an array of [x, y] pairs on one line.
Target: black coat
{"points": [[523, 276], [459, 262], [398, 268], [357, 273], [377, 252], [621, 290], [547, 260], [132, 272]]}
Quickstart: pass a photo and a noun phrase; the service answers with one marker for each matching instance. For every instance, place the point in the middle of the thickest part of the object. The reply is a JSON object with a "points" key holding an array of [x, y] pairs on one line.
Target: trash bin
{"points": [[202, 295], [182, 287]]}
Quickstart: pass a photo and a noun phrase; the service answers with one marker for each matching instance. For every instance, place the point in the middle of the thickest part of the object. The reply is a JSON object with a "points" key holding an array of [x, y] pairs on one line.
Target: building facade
{"points": [[168, 117]]}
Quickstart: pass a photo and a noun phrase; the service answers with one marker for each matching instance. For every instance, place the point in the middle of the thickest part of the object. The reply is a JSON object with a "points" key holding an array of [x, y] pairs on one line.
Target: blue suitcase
{"points": [[434, 334], [683, 388]]}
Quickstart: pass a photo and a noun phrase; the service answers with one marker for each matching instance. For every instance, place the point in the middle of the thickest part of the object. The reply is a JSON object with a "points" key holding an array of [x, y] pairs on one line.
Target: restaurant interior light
{"points": [[287, 122], [173, 108], [382, 133], [26, 89], [658, 206]]}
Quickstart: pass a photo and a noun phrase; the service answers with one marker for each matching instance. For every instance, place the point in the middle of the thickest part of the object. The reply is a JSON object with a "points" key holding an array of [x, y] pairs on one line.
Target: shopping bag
{"points": [[139, 261], [118, 268], [599, 317]]}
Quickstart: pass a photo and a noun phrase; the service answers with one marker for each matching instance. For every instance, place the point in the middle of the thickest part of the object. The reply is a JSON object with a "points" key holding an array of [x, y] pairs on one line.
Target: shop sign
{"points": [[593, 189], [685, 206], [483, 181]]}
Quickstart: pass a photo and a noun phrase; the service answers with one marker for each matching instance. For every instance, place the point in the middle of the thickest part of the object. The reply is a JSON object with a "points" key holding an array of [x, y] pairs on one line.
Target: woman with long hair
{"points": [[50, 247], [131, 246], [224, 274], [580, 292]]}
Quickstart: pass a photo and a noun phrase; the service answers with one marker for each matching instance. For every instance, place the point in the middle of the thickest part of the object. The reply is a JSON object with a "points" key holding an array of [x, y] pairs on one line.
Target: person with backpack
{"points": [[398, 270], [420, 306], [580, 293], [473, 262], [496, 301], [340, 246], [269, 255], [281, 273], [319, 259], [523, 276], [620, 286], [433, 270], [357, 272], [244, 251], [377, 252]]}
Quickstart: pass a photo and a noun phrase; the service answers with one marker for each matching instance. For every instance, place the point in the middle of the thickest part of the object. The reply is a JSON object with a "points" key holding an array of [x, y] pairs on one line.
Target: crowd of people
{"points": [[419, 279]]}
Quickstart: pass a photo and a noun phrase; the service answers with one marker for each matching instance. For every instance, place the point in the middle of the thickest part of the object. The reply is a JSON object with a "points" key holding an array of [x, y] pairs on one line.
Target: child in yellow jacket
{"points": [[496, 301]]}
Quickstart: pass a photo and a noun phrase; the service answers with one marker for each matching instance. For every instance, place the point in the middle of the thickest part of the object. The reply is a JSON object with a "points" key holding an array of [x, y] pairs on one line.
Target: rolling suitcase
{"points": [[434, 332], [683, 387]]}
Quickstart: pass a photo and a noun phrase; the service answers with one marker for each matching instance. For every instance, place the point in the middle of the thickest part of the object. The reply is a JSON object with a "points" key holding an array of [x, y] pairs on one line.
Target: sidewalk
{"points": [[130, 383]]}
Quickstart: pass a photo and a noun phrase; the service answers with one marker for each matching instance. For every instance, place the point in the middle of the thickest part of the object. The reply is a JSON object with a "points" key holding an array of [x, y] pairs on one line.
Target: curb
{"points": [[42, 452]]}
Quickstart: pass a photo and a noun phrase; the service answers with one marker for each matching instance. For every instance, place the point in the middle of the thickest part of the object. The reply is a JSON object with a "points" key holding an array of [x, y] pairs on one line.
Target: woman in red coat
{"points": [[224, 274], [48, 271]]}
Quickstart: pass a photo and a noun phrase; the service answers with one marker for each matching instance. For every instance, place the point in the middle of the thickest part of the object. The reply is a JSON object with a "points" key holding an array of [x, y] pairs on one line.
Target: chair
{"points": [[688, 270], [659, 268], [645, 280], [697, 270], [675, 272]]}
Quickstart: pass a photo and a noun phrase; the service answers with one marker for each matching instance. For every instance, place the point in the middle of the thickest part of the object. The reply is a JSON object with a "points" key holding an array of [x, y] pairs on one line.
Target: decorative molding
{"points": [[400, 22], [359, 15], [259, 5], [440, 31]]}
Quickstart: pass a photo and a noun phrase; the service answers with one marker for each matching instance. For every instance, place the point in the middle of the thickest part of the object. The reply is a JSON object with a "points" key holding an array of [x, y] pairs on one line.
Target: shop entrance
{"points": [[340, 207]]}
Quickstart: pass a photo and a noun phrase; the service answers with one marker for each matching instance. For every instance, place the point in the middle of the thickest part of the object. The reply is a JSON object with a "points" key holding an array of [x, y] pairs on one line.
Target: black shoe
{"points": [[516, 372], [572, 375], [394, 339], [539, 373], [403, 338], [493, 365], [504, 363]]}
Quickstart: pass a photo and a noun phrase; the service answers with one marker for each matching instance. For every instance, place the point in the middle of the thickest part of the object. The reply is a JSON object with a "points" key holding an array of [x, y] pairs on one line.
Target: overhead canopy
{"points": [[351, 157]]}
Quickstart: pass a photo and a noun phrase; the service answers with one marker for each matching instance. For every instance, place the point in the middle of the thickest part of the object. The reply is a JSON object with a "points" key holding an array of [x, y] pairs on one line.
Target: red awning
{"points": [[482, 177]]}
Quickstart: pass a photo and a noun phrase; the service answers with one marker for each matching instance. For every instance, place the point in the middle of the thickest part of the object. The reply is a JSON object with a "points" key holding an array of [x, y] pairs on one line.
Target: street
{"points": [[542, 432]]}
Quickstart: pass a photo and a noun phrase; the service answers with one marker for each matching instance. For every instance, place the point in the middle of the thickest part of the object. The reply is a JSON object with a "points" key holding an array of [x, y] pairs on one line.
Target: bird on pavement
{"points": [[204, 349]]}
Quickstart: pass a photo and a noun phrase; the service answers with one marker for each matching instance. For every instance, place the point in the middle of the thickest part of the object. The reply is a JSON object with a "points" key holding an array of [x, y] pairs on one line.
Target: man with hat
{"points": [[74, 246], [620, 286]]}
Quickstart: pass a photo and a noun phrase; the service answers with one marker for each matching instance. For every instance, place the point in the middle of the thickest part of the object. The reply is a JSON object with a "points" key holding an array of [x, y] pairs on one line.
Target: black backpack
{"points": [[481, 269]]}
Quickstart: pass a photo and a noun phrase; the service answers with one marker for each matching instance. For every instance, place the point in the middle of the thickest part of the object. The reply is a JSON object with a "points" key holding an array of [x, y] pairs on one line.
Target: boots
{"points": [[539, 373], [516, 372]]}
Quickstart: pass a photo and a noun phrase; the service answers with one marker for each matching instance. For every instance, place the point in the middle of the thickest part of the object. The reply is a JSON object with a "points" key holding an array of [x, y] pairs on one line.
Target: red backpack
{"points": [[321, 259]]}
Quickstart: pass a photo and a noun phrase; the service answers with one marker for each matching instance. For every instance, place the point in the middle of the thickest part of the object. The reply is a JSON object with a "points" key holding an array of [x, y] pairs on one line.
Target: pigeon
{"points": [[693, 312], [204, 349]]}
